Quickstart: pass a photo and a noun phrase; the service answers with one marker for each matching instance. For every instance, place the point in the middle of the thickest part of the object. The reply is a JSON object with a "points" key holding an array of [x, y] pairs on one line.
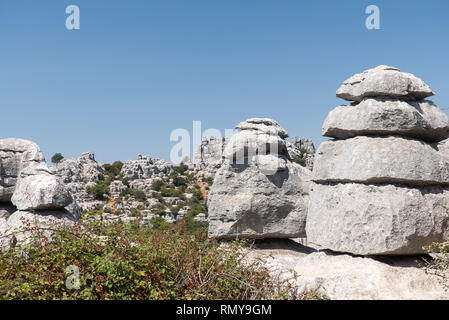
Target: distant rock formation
{"points": [[209, 156], [258, 192], [79, 173], [382, 186], [145, 167]]}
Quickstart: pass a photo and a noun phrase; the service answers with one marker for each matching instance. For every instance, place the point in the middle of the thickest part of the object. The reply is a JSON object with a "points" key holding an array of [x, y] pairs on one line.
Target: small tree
{"points": [[57, 157]]}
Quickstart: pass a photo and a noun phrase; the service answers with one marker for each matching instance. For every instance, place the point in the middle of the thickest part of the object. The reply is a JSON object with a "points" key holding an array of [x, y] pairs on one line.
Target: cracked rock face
{"points": [[258, 194], [374, 116], [381, 187], [15, 155], [384, 81]]}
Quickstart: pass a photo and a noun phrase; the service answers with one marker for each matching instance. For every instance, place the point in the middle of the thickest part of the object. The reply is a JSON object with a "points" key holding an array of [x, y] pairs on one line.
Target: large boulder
{"points": [[384, 81], [258, 192], [389, 159], [377, 219], [378, 116], [15, 155], [38, 189]]}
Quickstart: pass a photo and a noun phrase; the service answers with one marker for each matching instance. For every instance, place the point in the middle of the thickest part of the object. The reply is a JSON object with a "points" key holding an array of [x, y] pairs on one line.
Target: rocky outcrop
{"points": [[38, 189], [209, 156], [79, 173], [145, 167], [30, 192], [383, 189], [15, 155], [347, 277], [258, 192]]}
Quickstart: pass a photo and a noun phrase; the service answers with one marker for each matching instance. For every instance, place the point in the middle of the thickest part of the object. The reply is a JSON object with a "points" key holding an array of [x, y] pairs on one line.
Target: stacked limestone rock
{"points": [[381, 187], [29, 192], [302, 148], [258, 192]]}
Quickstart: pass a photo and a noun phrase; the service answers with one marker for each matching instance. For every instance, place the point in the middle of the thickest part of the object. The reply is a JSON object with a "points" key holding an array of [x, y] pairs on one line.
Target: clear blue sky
{"points": [[138, 69]]}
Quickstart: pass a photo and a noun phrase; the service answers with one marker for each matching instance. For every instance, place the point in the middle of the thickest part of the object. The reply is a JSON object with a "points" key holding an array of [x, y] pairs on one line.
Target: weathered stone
{"points": [[417, 119], [245, 202], [38, 189], [264, 125], [377, 219], [145, 167], [249, 143], [346, 277], [390, 159], [384, 81], [209, 156], [83, 169], [15, 155]]}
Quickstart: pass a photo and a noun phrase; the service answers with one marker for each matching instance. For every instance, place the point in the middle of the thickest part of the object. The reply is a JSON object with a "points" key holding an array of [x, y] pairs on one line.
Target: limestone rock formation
{"points": [[38, 189], [29, 190], [258, 192], [15, 155], [347, 277], [209, 156], [302, 149], [379, 116], [145, 167], [383, 189], [77, 174], [384, 81]]}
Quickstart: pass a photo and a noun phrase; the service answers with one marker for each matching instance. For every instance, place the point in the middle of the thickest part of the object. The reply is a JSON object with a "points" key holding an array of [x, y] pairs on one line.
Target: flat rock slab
{"points": [[377, 219], [345, 277], [417, 119], [392, 159], [384, 81]]}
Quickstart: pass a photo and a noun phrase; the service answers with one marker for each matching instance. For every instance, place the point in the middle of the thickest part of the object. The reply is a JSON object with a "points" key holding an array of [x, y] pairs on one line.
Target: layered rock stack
{"points": [[258, 192], [381, 187], [29, 192]]}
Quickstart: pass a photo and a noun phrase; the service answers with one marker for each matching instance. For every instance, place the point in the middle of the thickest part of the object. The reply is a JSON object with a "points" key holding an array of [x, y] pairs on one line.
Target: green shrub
{"points": [[157, 185], [179, 181], [127, 261], [99, 190], [181, 169], [57, 157], [139, 195], [301, 161]]}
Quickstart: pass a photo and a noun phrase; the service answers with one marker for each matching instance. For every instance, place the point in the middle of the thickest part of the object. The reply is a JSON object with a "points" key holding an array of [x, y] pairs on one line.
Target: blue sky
{"points": [[138, 69]]}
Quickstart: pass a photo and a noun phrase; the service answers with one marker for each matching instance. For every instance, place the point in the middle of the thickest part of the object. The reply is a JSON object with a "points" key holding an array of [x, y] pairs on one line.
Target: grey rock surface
{"points": [[145, 167], [389, 159], [15, 155], [258, 192], [373, 116], [38, 189], [384, 81], [246, 203], [377, 219]]}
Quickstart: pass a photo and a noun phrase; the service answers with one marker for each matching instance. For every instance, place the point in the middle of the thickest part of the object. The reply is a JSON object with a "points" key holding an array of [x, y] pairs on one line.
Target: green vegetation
{"points": [[439, 264], [57, 158], [139, 195], [300, 161], [128, 261]]}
